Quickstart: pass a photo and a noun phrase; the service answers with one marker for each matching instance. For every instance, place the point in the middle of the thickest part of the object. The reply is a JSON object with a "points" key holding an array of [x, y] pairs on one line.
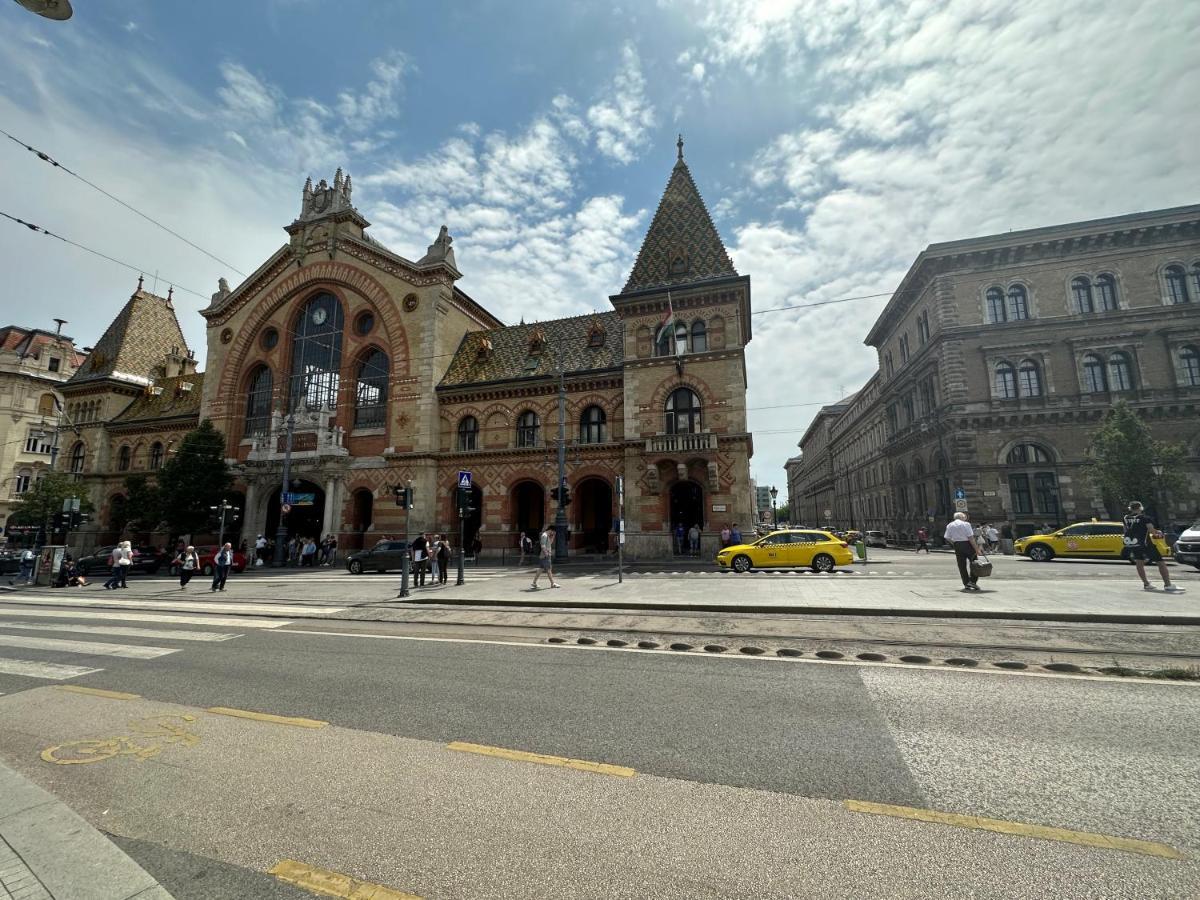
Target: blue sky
{"points": [[832, 140]]}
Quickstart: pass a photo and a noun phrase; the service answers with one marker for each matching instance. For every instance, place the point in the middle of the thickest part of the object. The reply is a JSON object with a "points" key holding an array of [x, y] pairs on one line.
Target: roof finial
{"points": [[679, 145], [170, 293], [141, 278]]}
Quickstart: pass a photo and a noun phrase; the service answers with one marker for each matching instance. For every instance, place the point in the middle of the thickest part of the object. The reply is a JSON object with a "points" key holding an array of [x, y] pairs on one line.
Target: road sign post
{"points": [[464, 499], [620, 529]]}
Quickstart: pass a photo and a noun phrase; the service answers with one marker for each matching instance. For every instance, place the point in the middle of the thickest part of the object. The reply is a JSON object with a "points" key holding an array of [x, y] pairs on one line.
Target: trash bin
{"points": [[1006, 546], [860, 547]]}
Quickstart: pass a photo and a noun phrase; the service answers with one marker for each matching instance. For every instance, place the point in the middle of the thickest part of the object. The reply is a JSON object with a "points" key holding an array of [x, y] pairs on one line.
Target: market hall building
{"points": [[396, 377]]}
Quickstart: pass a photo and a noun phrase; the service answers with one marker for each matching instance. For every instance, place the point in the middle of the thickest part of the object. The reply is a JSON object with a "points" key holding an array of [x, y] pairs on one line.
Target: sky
{"points": [[831, 139]]}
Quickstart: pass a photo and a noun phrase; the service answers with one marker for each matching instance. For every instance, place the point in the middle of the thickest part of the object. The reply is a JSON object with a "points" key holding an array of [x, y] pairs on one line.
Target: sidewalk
{"points": [[48, 852]]}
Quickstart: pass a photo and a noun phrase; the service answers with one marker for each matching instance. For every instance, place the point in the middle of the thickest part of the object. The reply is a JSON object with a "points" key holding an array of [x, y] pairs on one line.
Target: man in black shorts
{"points": [[1139, 547]]}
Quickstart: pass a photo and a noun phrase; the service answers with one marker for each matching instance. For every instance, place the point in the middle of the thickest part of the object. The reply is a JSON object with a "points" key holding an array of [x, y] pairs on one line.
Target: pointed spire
{"points": [[141, 280], [170, 293], [346, 188], [337, 180], [679, 145]]}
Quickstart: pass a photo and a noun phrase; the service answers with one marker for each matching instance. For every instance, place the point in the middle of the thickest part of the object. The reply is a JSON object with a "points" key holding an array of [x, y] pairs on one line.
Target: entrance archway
{"points": [[364, 513], [595, 498], [687, 505], [474, 521], [306, 516], [529, 509]]}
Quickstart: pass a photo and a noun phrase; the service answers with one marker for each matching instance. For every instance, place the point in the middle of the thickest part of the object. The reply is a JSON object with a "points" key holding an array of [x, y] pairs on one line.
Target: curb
{"points": [[53, 852]]}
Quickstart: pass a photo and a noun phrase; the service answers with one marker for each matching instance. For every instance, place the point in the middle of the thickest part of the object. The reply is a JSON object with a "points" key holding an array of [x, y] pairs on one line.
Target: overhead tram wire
{"points": [[140, 270], [47, 158]]}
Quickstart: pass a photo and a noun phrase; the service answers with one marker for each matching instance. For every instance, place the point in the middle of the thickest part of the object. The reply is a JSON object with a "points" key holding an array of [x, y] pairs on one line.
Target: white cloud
{"points": [[130, 26], [379, 99], [622, 116]]}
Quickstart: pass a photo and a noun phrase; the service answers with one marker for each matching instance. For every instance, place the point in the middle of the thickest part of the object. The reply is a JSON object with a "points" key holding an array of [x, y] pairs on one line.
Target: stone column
{"points": [[333, 505], [251, 523]]}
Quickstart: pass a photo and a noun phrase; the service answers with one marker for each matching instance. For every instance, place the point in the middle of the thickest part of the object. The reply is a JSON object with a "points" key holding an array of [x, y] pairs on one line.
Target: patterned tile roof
{"points": [[170, 403], [509, 353], [142, 335], [681, 230]]}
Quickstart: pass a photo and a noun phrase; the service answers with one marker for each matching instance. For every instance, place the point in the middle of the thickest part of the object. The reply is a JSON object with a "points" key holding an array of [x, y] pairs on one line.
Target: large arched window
{"points": [[77, 455], [1006, 381], [370, 393], [316, 354], [1023, 454], [258, 402], [1177, 288], [1018, 302], [468, 433], [1189, 359], [683, 412], [699, 336], [995, 305], [156, 456], [1029, 379], [1120, 372], [1032, 492], [124, 458], [1094, 379], [1081, 290], [1106, 291], [527, 429], [592, 426]]}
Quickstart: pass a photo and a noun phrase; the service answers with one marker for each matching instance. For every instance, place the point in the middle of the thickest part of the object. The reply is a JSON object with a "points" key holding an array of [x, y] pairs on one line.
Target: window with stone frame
{"points": [[1081, 292], [904, 352], [699, 336], [1106, 293], [996, 310], [1189, 366], [528, 424], [156, 456], [592, 425], [1177, 286], [316, 354], [1005, 384], [1018, 302], [78, 453], [371, 390], [124, 458], [468, 433], [259, 392], [888, 366], [683, 412], [923, 328], [1120, 372], [22, 481], [1095, 380], [1029, 379]]}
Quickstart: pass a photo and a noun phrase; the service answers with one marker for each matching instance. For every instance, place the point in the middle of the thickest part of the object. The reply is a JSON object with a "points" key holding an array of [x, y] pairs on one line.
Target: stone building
{"points": [[998, 358], [33, 366], [392, 376]]}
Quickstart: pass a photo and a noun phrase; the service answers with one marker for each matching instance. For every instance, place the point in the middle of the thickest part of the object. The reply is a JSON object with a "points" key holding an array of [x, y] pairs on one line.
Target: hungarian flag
{"points": [[665, 328]]}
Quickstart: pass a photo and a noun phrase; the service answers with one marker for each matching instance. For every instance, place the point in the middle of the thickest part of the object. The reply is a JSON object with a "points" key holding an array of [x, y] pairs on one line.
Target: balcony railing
{"points": [[681, 443]]}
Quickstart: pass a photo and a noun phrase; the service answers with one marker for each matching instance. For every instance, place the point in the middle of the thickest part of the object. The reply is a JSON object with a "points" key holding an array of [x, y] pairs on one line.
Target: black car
{"points": [[10, 561], [383, 556], [145, 560]]}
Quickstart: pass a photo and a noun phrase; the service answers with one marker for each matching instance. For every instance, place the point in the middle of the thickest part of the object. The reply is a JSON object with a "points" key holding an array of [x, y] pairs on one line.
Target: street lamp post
{"points": [[221, 509], [774, 509], [560, 514], [1156, 467], [281, 528]]}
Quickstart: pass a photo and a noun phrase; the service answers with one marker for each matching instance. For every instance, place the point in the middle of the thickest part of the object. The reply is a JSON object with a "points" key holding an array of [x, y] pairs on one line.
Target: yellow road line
{"points": [[333, 884], [267, 717], [97, 692], [1021, 829], [522, 756]]}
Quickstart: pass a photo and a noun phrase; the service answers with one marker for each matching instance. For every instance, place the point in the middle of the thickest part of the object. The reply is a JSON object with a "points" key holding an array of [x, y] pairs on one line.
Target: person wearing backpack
{"points": [[188, 563], [26, 574]]}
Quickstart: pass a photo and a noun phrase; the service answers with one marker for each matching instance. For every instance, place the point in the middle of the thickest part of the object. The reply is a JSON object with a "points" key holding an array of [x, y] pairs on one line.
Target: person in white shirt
{"points": [[961, 536]]}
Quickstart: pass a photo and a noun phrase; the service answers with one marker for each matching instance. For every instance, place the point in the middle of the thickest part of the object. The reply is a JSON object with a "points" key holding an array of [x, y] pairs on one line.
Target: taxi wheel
{"points": [[1040, 553], [822, 562], [355, 567], [741, 564]]}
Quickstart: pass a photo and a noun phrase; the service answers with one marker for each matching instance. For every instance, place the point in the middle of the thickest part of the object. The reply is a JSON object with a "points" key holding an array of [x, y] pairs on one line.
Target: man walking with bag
{"points": [[961, 536]]}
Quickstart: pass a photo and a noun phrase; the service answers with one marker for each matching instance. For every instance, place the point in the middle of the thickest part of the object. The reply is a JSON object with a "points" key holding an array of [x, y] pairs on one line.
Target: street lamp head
{"points": [[774, 492], [1157, 468]]}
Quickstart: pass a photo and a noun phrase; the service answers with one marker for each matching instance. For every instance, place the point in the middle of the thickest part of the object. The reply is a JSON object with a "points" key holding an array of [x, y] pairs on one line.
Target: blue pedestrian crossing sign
{"points": [[960, 494], [464, 480]]}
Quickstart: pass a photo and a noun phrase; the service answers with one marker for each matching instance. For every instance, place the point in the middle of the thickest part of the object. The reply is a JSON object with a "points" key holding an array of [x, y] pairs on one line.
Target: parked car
{"points": [[875, 539], [10, 561], [383, 556], [207, 555], [789, 550], [1083, 540], [1187, 548], [145, 559]]}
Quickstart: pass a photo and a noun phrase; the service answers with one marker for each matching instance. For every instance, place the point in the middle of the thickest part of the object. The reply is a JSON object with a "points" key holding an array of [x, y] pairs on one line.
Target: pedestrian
{"points": [[476, 549], [290, 550], [125, 562], [309, 553], [1140, 533], [694, 539], [188, 563], [961, 536], [26, 573], [222, 562], [679, 538], [546, 558], [75, 578], [725, 535], [443, 557], [735, 534], [993, 537], [922, 540], [419, 547], [332, 550], [260, 551], [526, 546], [433, 546]]}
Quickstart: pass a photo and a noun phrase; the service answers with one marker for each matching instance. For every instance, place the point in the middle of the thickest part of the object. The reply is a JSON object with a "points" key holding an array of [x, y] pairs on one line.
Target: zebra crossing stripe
{"points": [[201, 605], [122, 631], [34, 669], [88, 648], [110, 615]]}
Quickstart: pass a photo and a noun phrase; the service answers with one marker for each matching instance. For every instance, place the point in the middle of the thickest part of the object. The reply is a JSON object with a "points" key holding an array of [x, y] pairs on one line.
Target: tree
{"points": [[41, 502], [783, 512], [143, 504], [1121, 457], [194, 479]]}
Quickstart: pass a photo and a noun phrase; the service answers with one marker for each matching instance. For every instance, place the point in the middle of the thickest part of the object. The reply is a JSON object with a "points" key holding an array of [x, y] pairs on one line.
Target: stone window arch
{"points": [[259, 393], [1095, 378], [124, 458], [699, 336], [78, 455], [1120, 371], [316, 353], [156, 456], [593, 424], [1189, 366], [996, 310], [684, 414], [1106, 293], [1005, 381], [1029, 378], [528, 425], [1081, 294], [468, 433], [1018, 302], [1177, 286], [371, 390]]}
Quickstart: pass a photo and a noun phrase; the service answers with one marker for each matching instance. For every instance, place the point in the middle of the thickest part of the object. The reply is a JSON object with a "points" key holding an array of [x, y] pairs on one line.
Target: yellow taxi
{"points": [[788, 550], [1083, 540]]}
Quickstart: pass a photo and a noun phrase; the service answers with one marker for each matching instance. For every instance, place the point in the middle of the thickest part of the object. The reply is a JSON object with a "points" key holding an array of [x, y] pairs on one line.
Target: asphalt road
{"points": [[743, 767]]}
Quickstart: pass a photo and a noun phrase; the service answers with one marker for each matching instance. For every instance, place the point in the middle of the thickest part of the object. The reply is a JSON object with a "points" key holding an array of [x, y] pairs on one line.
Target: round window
{"points": [[270, 338], [365, 323], [226, 335]]}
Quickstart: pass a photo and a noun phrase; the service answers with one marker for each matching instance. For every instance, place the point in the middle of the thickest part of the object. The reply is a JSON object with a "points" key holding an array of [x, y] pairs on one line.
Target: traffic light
{"points": [[566, 495], [62, 522], [465, 497], [79, 519]]}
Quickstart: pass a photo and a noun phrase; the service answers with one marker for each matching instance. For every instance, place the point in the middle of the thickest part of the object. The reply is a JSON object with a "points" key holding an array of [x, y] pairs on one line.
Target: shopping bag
{"points": [[981, 569]]}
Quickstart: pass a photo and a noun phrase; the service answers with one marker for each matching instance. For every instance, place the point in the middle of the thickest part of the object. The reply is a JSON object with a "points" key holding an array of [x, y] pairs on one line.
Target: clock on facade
{"points": [[319, 315]]}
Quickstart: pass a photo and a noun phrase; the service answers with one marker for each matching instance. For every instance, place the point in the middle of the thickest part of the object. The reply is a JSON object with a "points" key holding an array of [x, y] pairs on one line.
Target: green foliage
{"points": [[45, 498], [194, 479], [143, 504], [1121, 457]]}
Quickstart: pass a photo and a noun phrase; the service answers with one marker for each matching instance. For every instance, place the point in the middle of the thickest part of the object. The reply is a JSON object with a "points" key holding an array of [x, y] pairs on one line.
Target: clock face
{"points": [[319, 315]]}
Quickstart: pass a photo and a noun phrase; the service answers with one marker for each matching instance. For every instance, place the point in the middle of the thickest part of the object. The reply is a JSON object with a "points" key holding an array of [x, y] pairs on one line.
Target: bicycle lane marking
{"points": [[143, 739]]}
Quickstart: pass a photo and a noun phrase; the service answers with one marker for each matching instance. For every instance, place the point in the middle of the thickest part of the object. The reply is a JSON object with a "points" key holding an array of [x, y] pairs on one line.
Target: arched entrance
{"points": [[364, 513], [529, 509], [595, 499], [472, 524], [307, 513], [687, 505]]}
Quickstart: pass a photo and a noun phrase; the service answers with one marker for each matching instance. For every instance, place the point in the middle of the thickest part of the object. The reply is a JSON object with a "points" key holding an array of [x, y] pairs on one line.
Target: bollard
{"points": [[404, 573]]}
